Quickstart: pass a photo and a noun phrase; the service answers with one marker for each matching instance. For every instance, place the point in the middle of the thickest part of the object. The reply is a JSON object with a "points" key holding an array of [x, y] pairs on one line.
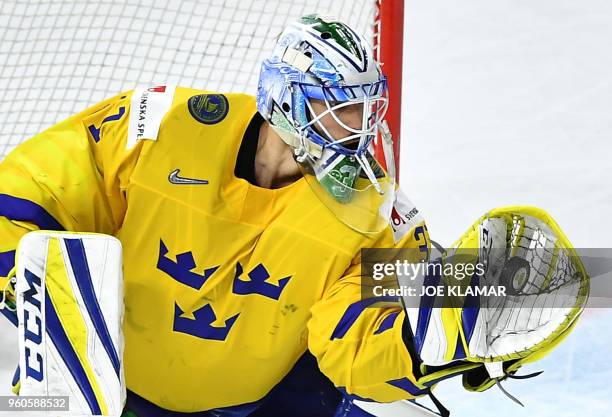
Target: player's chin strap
{"points": [[496, 372]]}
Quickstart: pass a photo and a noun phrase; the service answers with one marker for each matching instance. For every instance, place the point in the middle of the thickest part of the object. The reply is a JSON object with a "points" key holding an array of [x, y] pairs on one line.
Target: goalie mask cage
{"points": [[58, 57]]}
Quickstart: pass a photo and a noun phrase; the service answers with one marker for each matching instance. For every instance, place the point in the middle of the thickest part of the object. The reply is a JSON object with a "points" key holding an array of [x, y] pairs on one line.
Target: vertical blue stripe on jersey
{"points": [[470, 310], [60, 340], [353, 312], [7, 262], [80, 267], [425, 309], [14, 208], [408, 386], [387, 323]]}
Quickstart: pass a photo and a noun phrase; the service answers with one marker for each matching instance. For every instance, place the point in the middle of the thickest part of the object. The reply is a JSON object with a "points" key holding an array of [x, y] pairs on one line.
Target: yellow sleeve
{"points": [[72, 177], [359, 344]]}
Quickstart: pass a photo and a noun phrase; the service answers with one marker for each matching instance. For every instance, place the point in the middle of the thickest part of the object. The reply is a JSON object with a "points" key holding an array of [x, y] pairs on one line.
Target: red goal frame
{"points": [[388, 45]]}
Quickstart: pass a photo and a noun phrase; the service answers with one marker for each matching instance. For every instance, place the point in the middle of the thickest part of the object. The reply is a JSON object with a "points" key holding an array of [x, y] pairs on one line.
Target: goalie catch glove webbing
{"points": [[486, 337]]}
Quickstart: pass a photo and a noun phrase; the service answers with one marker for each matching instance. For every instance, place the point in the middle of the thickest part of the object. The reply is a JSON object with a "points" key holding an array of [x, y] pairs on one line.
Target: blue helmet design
{"points": [[318, 67]]}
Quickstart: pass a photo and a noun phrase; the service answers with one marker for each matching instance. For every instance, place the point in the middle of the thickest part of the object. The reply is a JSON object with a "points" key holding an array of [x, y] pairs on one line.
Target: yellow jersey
{"points": [[227, 284]]}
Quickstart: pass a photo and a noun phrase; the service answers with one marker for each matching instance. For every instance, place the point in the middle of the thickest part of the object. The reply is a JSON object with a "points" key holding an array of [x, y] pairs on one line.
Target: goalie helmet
{"points": [[322, 62]]}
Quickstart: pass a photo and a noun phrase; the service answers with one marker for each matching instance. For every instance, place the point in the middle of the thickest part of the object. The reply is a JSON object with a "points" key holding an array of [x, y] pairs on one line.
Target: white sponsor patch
{"points": [[148, 107], [404, 216]]}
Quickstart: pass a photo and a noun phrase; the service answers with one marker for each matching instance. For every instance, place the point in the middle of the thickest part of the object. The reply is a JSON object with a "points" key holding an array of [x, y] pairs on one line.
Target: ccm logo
{"points": [[33, 329]]}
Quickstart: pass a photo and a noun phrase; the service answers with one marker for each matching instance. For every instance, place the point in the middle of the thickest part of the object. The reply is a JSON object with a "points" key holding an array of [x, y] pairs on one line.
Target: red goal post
{"points": [[389, 46]]}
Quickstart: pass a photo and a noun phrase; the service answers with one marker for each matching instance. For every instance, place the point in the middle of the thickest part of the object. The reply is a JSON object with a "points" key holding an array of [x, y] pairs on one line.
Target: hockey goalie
{"points": [[207, 246]]}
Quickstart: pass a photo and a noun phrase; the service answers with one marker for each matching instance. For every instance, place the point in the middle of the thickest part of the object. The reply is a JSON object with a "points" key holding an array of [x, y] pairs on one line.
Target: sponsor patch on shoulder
{"points": [[209, 109], [148, 107], [404, 216]]}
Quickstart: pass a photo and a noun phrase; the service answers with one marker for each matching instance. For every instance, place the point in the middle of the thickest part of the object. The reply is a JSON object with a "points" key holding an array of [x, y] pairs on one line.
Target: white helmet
{"points": [[323, 59]]}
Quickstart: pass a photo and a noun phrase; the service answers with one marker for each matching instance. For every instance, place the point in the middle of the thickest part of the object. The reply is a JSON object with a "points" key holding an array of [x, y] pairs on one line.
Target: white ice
{"points": [[505, 103]]}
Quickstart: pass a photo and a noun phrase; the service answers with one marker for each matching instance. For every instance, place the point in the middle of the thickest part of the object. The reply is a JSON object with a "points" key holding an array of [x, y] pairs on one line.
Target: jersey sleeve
{"points": [[359, 341], [73, 176]]}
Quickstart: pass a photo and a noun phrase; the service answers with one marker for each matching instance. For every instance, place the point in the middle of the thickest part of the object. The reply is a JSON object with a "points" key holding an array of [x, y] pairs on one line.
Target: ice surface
{"points": [[505, 103]]}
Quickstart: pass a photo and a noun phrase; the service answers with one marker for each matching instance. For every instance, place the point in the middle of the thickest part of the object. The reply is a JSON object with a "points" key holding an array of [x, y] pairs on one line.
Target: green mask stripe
{"points": [[338, 31]]}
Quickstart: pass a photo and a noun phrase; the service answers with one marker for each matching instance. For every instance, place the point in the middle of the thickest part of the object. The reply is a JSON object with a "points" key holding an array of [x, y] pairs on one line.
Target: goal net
{"points": [[57, 57]]}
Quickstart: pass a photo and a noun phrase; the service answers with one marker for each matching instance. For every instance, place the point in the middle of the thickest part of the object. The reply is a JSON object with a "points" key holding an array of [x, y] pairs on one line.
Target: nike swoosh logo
{"points": [[174, 178]]}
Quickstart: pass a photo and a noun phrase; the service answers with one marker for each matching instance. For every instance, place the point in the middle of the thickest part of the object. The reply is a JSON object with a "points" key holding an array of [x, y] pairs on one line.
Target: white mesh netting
{"points": [[58, 57]]}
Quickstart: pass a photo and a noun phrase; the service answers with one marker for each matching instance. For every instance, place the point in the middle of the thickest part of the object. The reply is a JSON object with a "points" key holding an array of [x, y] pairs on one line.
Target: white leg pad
{"points": [[70, 309]]}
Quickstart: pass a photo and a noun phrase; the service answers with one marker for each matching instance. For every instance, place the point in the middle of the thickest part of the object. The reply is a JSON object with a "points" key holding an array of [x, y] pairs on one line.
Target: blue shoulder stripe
{"points": [[353, 312], [14, 208], [78, 261]]}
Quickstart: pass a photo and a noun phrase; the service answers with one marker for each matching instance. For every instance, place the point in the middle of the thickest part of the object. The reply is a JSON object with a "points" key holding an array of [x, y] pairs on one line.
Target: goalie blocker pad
{"points": [[69, 295]]}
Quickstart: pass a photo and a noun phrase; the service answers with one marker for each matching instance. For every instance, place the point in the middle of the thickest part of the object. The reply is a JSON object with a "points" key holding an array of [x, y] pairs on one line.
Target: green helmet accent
{"points": [[338, 31], [319, 60]]}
